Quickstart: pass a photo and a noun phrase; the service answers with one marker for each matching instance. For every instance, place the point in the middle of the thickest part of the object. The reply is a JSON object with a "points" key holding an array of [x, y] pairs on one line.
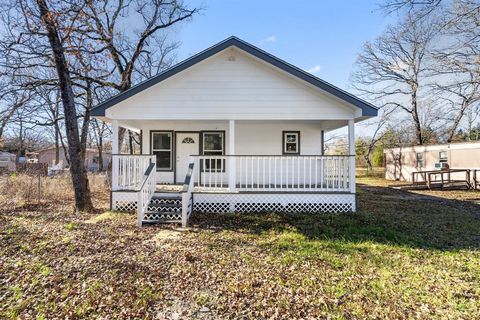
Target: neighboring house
{"points": [[400, 163], [91, 158], [241, 130], [7, 161], [30, 157]]}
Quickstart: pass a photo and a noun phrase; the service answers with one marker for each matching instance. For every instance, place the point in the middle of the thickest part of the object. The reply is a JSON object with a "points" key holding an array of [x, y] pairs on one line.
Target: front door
{"points": [[186, 144]]}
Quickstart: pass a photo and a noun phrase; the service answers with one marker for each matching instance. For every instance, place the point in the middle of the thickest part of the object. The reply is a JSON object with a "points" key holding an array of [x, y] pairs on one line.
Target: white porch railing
{"points": [[135, 173], [146, 191], [128, 170], [274, 173]]}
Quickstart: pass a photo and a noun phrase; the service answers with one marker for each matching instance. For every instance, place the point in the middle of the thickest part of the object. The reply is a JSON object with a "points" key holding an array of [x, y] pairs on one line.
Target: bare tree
{"points": [[378, 134], [424, 6], [93, 46], [458, 65], [79, 176], [99, 132], [122, 52], [13, 101], [392, 68]]}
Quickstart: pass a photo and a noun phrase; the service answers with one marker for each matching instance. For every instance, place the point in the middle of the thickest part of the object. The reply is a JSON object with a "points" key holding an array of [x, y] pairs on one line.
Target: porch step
{"points": [[162, 217], [164, 207], [167, 196]]}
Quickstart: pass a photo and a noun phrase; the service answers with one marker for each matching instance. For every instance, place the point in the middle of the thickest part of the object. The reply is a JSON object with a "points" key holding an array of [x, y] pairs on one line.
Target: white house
{"points": [[241, 130]]}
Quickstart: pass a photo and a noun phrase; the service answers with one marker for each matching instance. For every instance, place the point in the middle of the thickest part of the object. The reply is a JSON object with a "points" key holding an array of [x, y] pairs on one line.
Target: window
{"points": [[291, 142], [419, 159], [188, 140], [443, 157], [162, 148], [213, 144]]}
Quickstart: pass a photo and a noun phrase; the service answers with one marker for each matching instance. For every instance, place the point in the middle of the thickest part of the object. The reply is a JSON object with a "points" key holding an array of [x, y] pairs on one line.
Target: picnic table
{"points": [[443, 177], [476, 179]]}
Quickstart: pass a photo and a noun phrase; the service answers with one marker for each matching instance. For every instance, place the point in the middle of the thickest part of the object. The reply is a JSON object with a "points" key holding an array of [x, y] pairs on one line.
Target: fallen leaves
{"points": [[390, 260]]}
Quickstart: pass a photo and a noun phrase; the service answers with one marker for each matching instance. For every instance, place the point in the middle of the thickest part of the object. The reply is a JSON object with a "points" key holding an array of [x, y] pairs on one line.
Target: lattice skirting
{"points": [[248, 202], [273, 202], [124, 201]]}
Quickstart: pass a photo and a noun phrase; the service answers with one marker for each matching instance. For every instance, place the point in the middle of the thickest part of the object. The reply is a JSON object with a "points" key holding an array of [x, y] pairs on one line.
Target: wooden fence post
{"points": [[39, 187]]}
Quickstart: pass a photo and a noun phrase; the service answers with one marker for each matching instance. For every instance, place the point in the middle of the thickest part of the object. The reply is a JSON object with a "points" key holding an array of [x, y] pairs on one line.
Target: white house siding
{"points": [[232, 85], [251, 137]]}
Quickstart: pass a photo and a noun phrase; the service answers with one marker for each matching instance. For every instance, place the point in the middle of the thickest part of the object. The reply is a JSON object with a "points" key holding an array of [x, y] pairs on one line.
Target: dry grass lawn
{"points": [[403, 255]]}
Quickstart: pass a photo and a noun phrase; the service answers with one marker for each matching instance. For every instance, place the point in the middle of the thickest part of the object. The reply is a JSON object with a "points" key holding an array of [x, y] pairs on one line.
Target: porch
{"points": [[161, 189]]}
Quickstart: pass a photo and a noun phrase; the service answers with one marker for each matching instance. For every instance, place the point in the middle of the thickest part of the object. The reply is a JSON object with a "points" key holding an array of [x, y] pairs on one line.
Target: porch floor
{"points": [[176, 188], [169, 187]]}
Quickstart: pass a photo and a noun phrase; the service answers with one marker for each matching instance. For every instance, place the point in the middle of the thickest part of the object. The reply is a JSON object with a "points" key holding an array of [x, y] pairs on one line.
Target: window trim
{"points": [[172, 149], [202, 151], [202, 137], [440, 160], [416, 160], [284, 134]]}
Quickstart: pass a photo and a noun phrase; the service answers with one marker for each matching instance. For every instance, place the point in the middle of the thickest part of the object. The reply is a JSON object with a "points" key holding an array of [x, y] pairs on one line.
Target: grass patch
{"points": [[402, 255], [71, 226], [107, 216]]}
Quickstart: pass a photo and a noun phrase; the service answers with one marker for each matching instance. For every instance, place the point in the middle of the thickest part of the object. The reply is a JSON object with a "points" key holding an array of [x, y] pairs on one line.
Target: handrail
{"points": [[188, 177], [187, 203], [145, 175], [146, 191]]}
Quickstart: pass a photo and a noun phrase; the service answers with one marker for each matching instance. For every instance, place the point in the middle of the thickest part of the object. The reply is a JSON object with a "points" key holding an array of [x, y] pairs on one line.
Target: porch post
{"points": [[232, 170], [114, 152], [351, 153], [322, 136]]}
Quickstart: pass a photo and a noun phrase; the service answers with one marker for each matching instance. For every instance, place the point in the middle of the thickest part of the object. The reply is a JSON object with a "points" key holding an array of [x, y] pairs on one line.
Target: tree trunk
{"points": [[20, 138], [456, 122], [98, 134], [77, 170], [65, 149], [58, 134], [416, 118], [100, 155], [121, 136], [130, 142], [57, 146], [369, 162], [86, 122]]}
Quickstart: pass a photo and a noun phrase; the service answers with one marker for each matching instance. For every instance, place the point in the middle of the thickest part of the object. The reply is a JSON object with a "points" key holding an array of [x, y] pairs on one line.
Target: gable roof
{"points": [[367, 108]]}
